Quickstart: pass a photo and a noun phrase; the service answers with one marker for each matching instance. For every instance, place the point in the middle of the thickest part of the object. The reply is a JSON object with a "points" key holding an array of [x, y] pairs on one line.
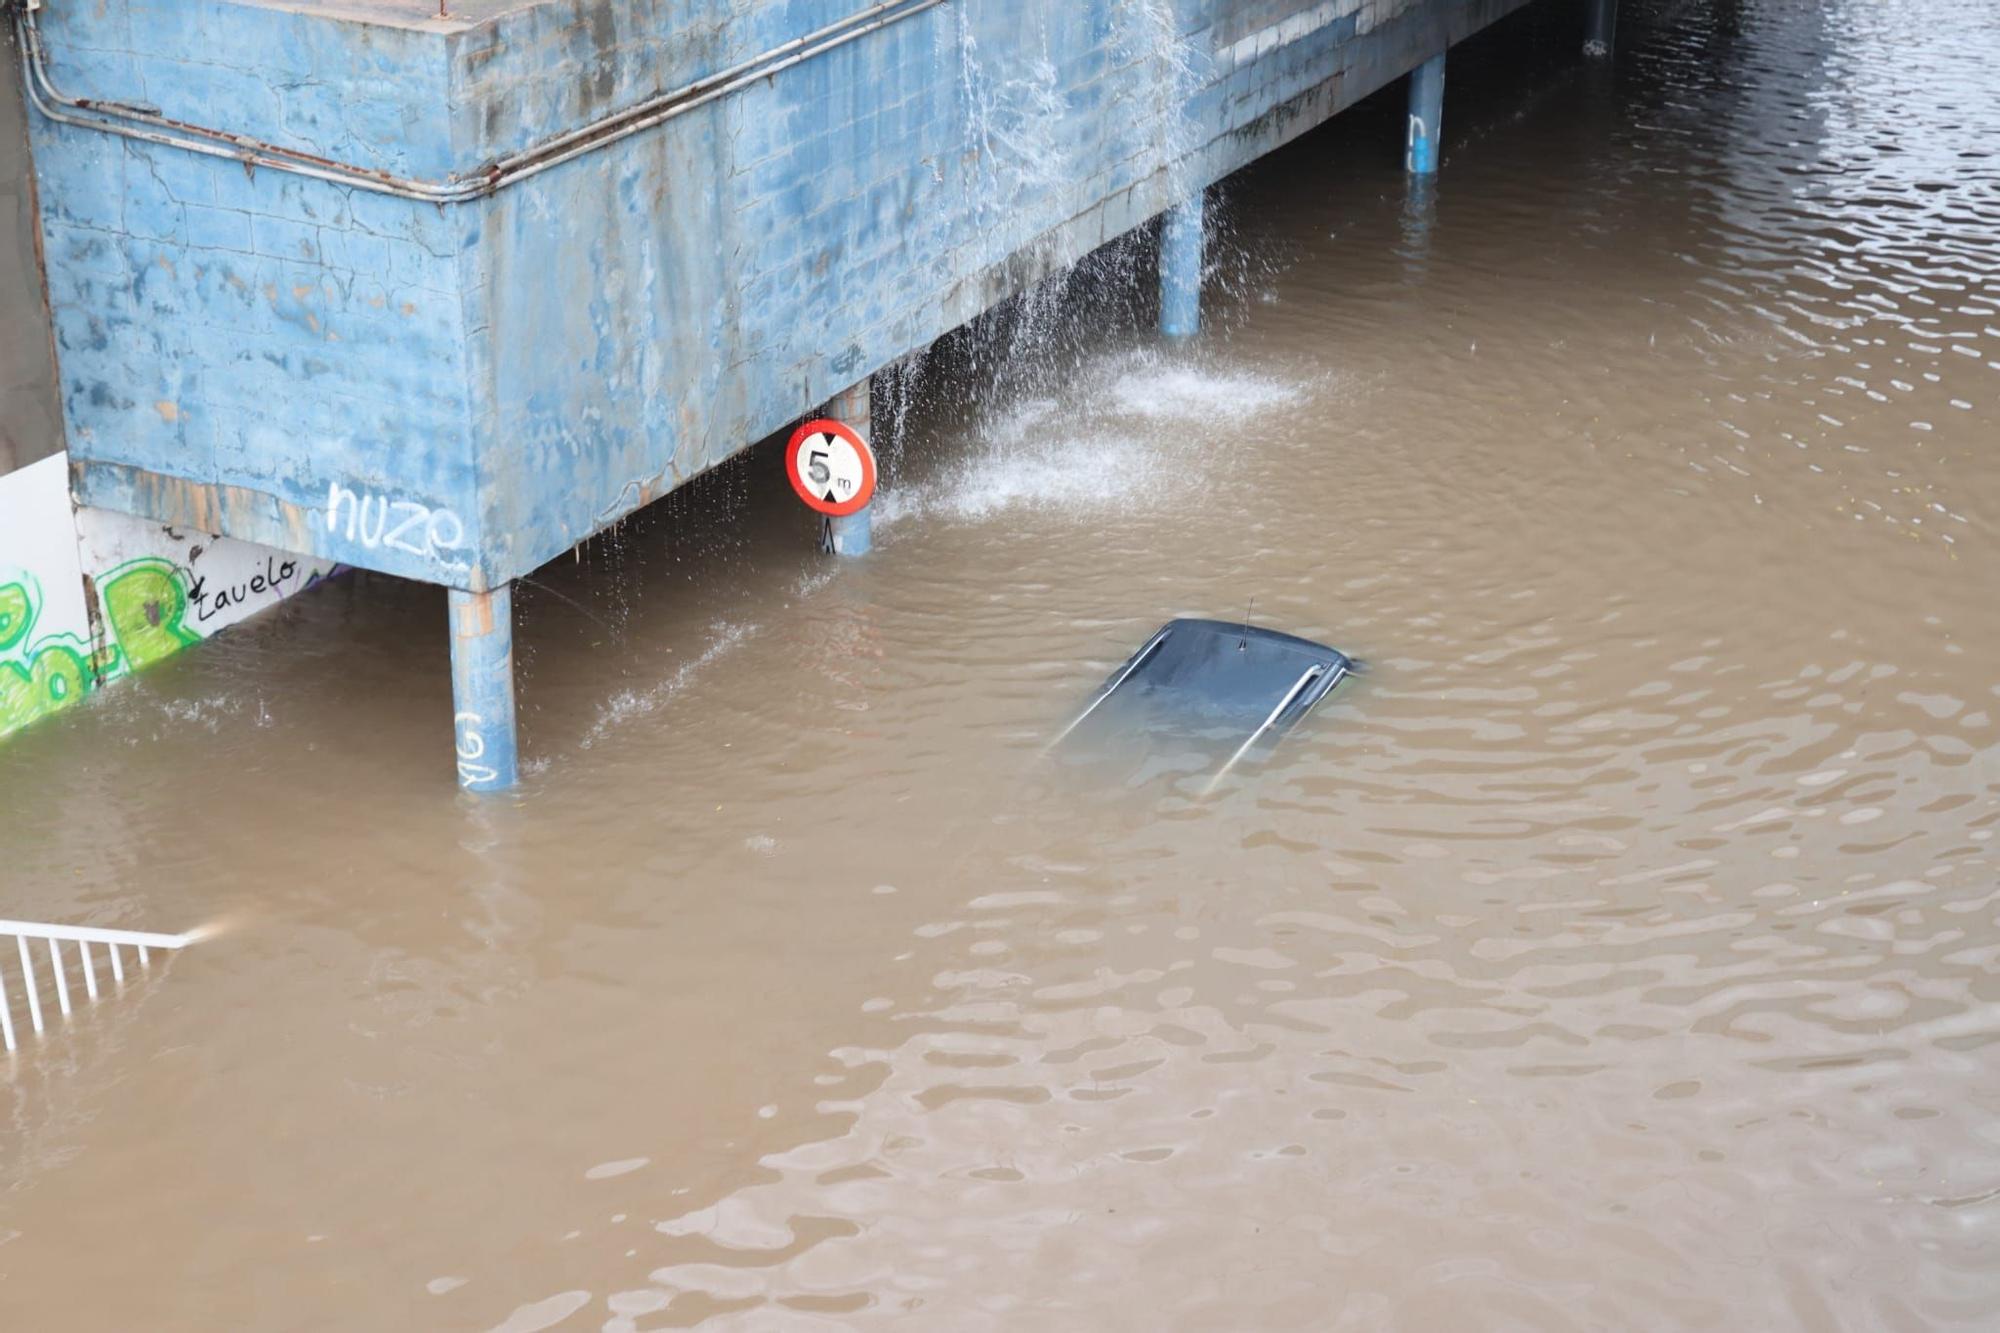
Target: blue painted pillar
{"points": [[482, 688], [1419, 220], [855, 534], [1600, 28], [1180, 269], [1420, 151]]}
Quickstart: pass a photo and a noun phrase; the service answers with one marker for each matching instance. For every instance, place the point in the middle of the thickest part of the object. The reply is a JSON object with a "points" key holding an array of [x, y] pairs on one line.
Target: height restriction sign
{"points": [[831, 467]]}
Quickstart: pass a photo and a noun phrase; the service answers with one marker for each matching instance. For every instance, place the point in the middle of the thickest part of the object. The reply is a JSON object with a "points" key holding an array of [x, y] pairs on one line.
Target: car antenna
{"points": [[1244, 642]]}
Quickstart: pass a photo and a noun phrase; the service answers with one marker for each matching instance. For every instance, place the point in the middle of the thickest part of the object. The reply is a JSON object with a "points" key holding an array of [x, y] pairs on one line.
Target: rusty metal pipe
{"points": [[459, 187]]}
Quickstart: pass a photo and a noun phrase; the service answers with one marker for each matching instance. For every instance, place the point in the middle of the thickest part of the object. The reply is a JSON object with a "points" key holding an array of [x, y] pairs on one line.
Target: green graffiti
{"points": [[55, 678], [145, 603], [149, 610], [14, 615], [56, 673]]}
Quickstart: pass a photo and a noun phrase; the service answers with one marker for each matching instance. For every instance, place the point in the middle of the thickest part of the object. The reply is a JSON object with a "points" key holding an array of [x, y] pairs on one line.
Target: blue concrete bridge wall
{"points": [[458, 393]]}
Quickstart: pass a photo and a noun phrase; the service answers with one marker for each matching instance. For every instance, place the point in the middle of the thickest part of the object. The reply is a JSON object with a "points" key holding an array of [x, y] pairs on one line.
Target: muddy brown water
{"points": [[1619, 953]]}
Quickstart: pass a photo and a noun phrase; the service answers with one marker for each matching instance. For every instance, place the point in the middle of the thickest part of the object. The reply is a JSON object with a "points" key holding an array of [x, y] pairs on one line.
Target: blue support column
{"points": [[855, 534], [482, 688], [1180, 269], [1420, 151], [1418, 222], [1600, 28]]}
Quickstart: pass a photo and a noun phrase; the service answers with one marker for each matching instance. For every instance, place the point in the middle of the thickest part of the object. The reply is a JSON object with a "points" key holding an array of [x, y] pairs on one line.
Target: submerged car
{"points": [[1213, 690]]}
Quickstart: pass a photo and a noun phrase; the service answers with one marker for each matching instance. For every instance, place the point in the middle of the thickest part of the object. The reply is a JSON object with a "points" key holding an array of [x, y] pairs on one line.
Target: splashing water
{"points": [[1192, 393], [628, 704], [1148, 35], [1015, 111], [1097, 446], [1636, 917]]}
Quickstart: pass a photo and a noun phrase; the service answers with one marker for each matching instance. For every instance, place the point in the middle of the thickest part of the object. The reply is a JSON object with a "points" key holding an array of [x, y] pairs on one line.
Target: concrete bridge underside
{"points": [[444, 296]]}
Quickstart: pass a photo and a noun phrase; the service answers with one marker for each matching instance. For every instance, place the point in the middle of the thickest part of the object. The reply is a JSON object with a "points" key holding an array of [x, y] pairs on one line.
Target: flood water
{"points": [[1618, 953]]}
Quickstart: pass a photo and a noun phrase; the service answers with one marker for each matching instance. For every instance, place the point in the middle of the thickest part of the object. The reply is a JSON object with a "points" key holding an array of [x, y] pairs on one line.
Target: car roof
{"points": [[1214, 681]]}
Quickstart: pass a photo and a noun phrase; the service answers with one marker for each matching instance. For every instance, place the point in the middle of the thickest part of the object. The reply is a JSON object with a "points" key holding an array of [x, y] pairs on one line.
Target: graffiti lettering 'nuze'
{"points": [[378, 523]]}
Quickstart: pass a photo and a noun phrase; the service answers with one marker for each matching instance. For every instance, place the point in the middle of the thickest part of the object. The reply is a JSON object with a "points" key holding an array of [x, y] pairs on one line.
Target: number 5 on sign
{"points": [[831, 467]]}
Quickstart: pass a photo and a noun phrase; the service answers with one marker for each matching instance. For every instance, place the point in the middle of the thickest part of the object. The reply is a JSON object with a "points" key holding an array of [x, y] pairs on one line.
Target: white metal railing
{"points": [[53, 937]]}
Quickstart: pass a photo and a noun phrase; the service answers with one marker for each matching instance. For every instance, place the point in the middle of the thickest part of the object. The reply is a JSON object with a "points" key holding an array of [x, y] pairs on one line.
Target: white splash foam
{"points": [[628, 704], [1106, 451], [813, 580], [205, 712], [1212, 397], [1075, 473]]}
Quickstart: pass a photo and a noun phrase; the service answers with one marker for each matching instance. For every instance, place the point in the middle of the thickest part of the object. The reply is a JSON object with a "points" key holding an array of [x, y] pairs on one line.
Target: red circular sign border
{"points": [[817, 503]]}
